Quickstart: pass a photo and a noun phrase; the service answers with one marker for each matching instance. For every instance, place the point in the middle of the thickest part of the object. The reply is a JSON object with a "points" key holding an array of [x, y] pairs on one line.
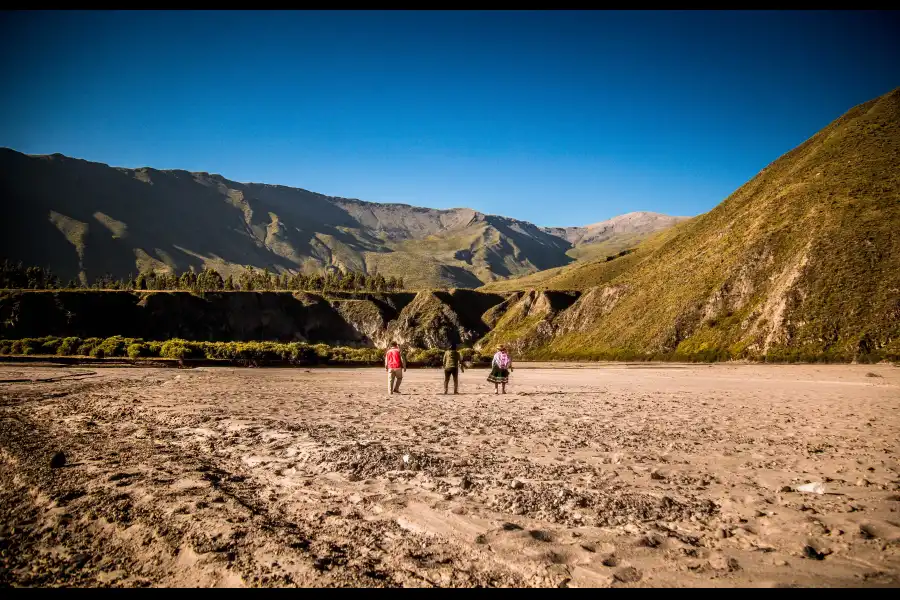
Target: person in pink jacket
{"points": [[395, 365], [501, 367]]}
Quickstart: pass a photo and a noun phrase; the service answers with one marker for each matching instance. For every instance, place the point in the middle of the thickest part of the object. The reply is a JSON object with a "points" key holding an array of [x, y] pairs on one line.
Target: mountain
{"points": [[801, 262], [600, 257], [84, 218], [610, 237]]}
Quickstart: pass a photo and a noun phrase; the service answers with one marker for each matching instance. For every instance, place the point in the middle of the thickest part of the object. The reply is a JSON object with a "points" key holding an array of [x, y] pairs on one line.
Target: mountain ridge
{"points": [[86, 218]]}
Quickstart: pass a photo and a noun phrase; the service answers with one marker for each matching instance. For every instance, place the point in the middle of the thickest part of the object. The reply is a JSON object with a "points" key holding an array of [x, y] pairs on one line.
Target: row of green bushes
{"points": [[177, 349], [302, 353]]}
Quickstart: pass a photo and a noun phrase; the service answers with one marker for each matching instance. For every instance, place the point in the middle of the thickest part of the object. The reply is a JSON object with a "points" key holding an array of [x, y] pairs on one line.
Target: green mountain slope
{"points": [[803, 261]]}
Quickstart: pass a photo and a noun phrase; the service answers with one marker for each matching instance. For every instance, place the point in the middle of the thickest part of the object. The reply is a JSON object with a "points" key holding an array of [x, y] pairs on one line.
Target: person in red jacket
{"points": [[395, 365]]}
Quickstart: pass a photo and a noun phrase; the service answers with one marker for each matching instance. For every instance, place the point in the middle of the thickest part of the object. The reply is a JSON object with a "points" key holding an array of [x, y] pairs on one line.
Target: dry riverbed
{"points": [[611, 475]]}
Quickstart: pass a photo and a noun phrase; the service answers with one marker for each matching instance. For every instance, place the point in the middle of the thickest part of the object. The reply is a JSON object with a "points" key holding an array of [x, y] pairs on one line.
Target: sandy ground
{"points": [[650, 475]]}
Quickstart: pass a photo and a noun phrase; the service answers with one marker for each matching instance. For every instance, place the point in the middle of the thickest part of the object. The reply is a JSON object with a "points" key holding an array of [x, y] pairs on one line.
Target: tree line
{"points": [[18, 276], [251, 352]]}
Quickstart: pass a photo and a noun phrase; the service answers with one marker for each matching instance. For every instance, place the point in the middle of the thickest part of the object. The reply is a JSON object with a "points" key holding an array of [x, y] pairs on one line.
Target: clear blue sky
{"points": [[559, 118]]}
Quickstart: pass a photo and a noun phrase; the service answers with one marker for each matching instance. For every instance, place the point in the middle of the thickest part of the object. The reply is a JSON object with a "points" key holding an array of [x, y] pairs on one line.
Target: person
{"points": [[452, 367], [501, 366], [395, 365]]}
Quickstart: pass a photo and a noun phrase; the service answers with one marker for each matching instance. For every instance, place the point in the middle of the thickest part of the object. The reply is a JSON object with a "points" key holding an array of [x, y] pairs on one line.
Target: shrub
{"points": [[290, 352], [177, 349], [467, 354], [243, 351], [50, 345], [113, 346], [214, 349], [5, 346], [323, 351], [302, 353], [68, 346], [433, 357], [87, 346], [136, 350], [344, 354], [31, 346], [474, 358]]}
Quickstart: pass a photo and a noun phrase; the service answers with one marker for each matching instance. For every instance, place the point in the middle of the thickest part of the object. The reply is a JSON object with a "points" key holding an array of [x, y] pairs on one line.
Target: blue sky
{"points": [[559, 118]]}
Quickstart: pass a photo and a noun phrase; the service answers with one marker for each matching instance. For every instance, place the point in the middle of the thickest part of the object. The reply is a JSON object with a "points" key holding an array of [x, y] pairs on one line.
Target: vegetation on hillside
{"points": [[18, 276], [293, 353]]}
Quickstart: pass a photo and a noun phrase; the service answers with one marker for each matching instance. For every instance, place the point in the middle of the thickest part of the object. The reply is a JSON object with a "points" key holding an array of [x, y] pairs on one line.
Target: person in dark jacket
{"points": [[452, 366]]}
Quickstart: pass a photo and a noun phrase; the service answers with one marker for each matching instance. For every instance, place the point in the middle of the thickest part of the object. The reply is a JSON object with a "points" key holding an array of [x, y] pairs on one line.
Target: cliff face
{"points": [[435, 319], [527, 321], [424, 320]]}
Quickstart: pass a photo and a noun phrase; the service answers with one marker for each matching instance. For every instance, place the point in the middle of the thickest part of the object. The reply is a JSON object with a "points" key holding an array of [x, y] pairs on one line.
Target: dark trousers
{"points": [[454, 372]]}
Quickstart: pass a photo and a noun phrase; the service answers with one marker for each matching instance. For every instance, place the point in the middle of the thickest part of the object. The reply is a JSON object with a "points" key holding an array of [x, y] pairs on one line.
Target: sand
{"points": [[614, 475]]}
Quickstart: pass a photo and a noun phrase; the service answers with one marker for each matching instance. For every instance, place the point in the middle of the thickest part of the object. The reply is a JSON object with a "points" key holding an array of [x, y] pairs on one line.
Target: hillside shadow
{"points": [[459, 277]]}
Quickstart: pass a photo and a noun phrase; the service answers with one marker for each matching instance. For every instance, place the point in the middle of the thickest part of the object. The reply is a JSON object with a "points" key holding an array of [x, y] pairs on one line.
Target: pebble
{"points": [[816, 550], [628, 575], [654, 540], [57, 460], [885, 532]]}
